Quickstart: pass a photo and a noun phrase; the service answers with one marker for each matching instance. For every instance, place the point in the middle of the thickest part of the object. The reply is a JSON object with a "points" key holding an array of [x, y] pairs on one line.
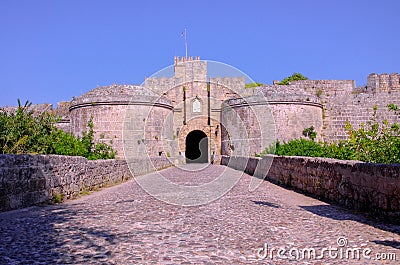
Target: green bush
{"points": [[374, 142], [23, 132], [296, 147], [310, 133], [293, 77]]}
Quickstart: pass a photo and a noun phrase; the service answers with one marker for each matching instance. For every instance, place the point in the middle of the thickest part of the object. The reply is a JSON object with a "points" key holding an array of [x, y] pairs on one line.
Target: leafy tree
{"points": [[293, 77], [22, 132]]}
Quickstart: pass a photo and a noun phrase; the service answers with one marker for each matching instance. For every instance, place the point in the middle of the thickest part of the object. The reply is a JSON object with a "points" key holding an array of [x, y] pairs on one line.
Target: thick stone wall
{"points": [[357, 108], [26, 180], [273, 113], [340, 100], [62, 112], [108, 123], [124, 114], [373, 188], [330, 94]]}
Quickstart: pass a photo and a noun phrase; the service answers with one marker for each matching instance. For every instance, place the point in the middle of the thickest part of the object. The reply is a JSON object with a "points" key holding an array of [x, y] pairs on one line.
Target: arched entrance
{"points": [[196, 150]]}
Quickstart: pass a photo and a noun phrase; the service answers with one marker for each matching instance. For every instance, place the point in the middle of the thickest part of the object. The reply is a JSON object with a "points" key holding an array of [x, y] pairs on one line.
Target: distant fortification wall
{"points": [[342, 102], [383, 83], [162, 112], [357, 109], [61, 112]]}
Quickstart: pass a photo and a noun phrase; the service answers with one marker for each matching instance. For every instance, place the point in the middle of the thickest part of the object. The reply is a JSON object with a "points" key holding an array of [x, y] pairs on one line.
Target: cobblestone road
{"points": [[125, 225]]}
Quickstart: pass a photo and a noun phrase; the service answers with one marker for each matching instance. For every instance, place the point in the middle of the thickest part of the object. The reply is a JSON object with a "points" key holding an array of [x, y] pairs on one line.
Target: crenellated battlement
{"points": [[161, 84], [184, 59], [383, 82], [190, 68]]}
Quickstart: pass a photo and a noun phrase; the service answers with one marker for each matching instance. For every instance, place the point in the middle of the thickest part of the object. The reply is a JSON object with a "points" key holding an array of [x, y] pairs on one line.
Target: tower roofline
{"points": [[183, 59]]}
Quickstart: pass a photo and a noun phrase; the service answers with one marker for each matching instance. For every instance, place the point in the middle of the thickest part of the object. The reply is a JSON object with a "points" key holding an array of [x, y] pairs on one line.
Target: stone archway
{"points": [[196, 147]]}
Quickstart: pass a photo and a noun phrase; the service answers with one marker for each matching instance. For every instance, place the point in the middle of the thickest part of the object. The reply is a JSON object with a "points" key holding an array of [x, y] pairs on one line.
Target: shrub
{"points": [[310, 133], [296, 147], [23, 132], [293, 77]]}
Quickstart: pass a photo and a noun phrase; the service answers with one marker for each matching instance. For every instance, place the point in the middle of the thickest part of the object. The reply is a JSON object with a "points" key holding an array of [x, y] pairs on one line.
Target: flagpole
{"points": [[186, 46], [186, 43]]}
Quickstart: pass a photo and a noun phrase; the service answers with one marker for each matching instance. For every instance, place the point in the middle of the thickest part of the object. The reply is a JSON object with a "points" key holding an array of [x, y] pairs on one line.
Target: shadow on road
{"points": [[390, 243], [265, 203], [40, 235], [340, 213]]}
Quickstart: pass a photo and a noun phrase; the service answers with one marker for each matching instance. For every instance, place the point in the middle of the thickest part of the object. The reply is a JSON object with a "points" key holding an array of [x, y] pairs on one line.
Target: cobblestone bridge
{"points": [[125, 225]]}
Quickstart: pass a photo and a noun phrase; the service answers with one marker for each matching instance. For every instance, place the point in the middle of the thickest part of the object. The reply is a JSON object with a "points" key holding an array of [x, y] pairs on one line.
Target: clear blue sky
{"points": [[51, 51]]}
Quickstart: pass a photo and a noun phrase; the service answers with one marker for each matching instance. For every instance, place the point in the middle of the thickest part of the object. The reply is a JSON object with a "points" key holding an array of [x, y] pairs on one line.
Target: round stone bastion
{"points": [[271, 113], [118, 110]]}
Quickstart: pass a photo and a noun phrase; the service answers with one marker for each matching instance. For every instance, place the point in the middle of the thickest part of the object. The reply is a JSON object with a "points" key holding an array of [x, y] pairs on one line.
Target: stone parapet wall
{"points": [[291, 93], [328, 86], [143, 166], [117, 95], [161, 85], [35, 108], [373, 188], [27, 180], [236, 84]]}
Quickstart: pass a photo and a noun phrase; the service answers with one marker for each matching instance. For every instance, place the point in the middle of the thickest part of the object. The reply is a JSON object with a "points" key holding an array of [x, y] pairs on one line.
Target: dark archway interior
{"points": [[196, 147]]}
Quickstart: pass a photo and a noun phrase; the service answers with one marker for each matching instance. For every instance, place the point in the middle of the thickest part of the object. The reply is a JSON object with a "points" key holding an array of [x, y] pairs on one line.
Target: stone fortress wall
{"points": [[113, 107], [328, 105], [343, 102], [149, 126], [357, 107], [272, 112], [162, 112]]}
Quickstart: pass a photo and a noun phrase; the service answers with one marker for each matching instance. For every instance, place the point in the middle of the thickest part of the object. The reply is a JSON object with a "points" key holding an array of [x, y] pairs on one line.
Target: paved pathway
{"points": [[125, 225]]}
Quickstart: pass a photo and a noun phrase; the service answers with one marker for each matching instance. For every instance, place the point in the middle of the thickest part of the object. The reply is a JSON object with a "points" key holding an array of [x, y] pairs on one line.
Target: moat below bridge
{"points": [[125, 225]]}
